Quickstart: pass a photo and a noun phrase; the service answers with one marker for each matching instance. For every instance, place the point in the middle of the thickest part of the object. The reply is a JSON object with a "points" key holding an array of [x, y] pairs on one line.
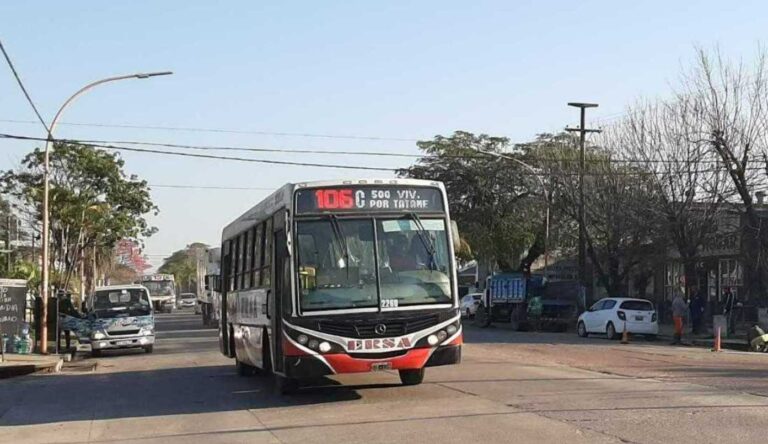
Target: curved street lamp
{"points": [[46, 173], [547, 197]]}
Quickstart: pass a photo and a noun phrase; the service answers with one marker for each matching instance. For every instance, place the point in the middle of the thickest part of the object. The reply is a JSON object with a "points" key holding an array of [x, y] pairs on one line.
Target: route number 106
{"points": [[334, 199]]}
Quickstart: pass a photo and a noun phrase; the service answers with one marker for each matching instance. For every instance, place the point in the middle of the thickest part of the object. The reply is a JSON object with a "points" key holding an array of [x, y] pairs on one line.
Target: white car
{"points": [[186, 300], [469, 304], [610, 316]]}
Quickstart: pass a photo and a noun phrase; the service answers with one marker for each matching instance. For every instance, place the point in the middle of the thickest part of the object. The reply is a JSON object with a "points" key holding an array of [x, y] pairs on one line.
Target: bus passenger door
{"points": [[223, 306], [282, 285]]}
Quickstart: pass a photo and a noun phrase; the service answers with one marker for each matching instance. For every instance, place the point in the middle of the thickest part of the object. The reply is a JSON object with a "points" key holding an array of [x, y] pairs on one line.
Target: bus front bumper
{"points": [[310, 366]]}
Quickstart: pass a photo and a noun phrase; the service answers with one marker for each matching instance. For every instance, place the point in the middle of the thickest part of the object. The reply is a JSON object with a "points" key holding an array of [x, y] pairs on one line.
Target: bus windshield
{"points": [[121, 302], [338, 267], [159, 288]]}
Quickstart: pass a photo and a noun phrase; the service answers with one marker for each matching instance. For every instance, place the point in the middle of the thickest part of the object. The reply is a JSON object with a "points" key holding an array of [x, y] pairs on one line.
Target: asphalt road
{"points": [[511, 387]]}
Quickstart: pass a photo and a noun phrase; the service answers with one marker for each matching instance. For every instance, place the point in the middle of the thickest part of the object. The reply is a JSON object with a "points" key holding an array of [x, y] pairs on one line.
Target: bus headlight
{"points": [[451, 329], [98, 335], [324, 347], [432, 340], [313, 343], [302, 339], [147, 331], [442, 336]]}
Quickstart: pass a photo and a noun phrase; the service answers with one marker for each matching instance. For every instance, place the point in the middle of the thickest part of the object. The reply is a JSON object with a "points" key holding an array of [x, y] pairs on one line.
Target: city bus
{"points": [[162, 288], [208, 298], [333, 277]]}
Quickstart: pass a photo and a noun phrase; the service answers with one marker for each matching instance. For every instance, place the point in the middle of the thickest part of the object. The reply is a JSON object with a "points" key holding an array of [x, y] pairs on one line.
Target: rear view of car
{"points": [[639, 316], [610, 316]]}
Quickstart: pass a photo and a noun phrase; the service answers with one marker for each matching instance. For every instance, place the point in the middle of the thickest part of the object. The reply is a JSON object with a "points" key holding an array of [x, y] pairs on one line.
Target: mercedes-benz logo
{"points": [[380, 329]]}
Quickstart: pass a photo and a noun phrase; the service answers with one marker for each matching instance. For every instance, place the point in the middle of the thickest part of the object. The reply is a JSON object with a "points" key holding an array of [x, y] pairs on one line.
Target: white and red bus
{"points": [[333, 277]]}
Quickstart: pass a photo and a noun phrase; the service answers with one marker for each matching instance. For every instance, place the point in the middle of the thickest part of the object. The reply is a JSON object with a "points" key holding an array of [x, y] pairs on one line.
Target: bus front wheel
{"points": [[285, 386], [244, 369], [412, 377]]}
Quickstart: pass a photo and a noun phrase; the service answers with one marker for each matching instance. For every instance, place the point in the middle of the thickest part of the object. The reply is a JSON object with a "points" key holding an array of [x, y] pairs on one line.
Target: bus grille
{"points": [[113, 333], [367, 329]]}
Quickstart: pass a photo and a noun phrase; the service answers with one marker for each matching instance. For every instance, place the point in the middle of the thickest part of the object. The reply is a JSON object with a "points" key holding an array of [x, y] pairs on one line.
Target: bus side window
{"points": [[241, 261], [247, 257], [228, 266], [257, 254], [267, 254]]}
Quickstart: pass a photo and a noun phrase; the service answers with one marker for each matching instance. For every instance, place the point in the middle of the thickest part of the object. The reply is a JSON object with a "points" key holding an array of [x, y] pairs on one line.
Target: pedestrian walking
{"points": [[679, 310], [697, 305], [535, 309], [729, 310]]}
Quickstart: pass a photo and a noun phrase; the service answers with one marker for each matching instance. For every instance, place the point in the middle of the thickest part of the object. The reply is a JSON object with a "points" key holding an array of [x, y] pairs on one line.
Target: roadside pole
{"points": [[46, 187], [582, 130]]}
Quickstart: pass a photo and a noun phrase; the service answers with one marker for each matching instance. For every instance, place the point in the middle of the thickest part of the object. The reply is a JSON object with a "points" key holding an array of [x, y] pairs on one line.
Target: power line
{"points": [[356, 167], [204, 187], [23, 89], [93, 142], [245, 149], [226, 131], [209, 156]]}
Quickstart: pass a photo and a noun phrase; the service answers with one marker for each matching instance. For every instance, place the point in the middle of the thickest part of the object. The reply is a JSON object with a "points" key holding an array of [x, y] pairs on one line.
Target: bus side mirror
{"points": [[207, 281], [455, 236]]}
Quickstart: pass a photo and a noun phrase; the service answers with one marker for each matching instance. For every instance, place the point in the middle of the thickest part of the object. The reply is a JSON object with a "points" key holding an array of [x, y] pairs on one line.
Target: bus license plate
{"points": [[639, 318], [380, 366], [124, 342]]}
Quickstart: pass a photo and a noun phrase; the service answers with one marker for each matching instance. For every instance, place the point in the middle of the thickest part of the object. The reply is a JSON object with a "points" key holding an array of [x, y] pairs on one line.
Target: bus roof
{"points": [[282, 198]]}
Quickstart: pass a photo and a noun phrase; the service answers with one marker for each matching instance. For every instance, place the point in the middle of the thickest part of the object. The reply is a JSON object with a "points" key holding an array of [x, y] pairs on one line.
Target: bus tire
{"points": [[482, 319], [149, 348], [285, 386], [412, 377], [95, 353], [231, 346], [244, 369], [266, 355]]}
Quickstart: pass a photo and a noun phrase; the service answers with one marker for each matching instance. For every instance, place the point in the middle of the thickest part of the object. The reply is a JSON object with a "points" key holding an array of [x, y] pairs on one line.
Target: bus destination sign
{"points": [[368, 199]]}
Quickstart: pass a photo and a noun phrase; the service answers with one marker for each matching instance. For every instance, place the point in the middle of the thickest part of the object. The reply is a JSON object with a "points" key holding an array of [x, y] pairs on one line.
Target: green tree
{"points": [[182, 264], [497, 204], [93, 203], [622, 228]]}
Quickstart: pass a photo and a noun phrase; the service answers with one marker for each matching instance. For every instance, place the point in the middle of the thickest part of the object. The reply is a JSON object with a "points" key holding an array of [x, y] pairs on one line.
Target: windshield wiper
{"points": [[426, 239], [341, 239]]}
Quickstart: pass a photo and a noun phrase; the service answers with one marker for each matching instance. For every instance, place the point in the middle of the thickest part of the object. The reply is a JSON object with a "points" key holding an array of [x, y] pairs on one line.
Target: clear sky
{"points": [[397, 69]]}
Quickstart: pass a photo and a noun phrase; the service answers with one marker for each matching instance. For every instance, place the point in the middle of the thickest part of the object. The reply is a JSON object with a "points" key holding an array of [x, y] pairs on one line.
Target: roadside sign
{"points": [[13, 299]]}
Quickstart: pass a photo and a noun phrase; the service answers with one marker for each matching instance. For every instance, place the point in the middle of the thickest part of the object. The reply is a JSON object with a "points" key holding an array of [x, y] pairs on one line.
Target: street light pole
{"points": [[547, 198], [46, 185]]}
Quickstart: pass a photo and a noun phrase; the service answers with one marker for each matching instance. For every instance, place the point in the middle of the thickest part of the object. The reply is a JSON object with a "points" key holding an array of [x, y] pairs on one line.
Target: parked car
{"points": [[610, 316], [469, 304], [186, 300]]}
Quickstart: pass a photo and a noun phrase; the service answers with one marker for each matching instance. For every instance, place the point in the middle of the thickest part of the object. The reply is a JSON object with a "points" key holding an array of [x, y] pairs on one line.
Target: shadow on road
{"points": [[59, 398], [502, 334]]}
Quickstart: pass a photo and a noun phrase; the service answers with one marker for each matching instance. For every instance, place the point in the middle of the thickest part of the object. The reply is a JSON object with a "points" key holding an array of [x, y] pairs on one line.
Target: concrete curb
{"points": [[730, 344], [48, 364]]}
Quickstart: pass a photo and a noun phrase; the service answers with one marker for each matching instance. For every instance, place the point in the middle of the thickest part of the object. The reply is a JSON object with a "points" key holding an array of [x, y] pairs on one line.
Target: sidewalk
{"points": [[734, 342], [17, 365]]}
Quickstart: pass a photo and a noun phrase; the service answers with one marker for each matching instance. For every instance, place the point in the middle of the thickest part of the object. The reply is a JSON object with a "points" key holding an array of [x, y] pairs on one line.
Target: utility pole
{"points": [[547, 202], [583, 130], [46, 186], [8, 244]]}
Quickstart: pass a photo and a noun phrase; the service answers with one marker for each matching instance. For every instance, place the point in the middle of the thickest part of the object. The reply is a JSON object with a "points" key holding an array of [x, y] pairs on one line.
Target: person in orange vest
{"points": [[679, 310]]}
